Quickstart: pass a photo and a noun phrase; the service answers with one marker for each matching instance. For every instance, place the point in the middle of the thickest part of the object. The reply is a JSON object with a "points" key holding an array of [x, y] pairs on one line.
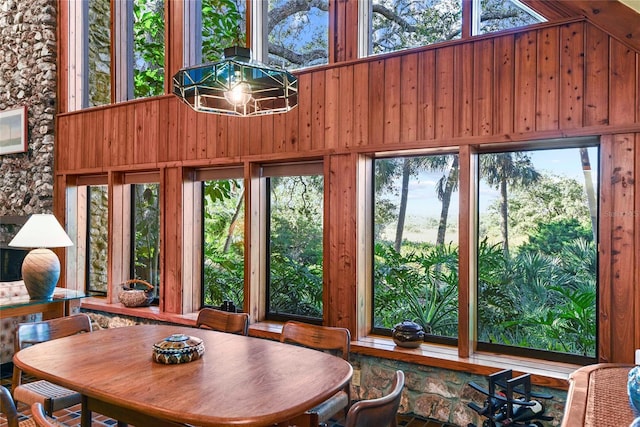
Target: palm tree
{"points": [[501, 170]]}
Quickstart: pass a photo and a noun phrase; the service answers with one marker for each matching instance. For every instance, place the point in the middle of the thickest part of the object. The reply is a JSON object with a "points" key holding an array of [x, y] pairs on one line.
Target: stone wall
{"points": [[28, 77]]}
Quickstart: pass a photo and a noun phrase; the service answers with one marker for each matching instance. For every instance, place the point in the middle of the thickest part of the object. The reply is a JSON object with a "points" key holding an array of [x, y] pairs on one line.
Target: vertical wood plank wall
{"points": [[550, 81]]}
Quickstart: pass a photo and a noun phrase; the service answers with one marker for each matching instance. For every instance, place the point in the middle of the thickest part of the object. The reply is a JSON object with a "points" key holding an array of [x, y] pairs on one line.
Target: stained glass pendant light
{"points": [[237, 86]]}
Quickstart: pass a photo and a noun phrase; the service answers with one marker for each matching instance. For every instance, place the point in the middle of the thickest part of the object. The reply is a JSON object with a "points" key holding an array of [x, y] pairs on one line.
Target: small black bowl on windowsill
{"points": [[408, 334]]}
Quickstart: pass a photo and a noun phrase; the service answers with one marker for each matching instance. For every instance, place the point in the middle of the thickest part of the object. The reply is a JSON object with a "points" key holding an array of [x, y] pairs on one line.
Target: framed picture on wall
{"points": [[13, 130]]}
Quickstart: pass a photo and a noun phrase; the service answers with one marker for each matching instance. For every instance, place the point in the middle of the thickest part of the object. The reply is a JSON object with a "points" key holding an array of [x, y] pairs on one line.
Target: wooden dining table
{"points": [[238, 381]]}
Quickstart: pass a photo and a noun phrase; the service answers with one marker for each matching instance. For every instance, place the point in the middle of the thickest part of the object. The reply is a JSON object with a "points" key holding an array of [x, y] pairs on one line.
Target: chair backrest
{"points": [[326, 338], [8, 408], [40, 418], [223, 321], [379, 412], [59, 327]]}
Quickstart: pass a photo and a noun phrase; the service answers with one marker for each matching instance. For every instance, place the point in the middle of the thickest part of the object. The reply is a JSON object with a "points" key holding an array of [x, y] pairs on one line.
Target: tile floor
{"points": [[71, 417]]}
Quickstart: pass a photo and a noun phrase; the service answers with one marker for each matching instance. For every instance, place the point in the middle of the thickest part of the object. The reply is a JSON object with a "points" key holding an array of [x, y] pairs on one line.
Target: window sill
{"points": [[543, 373]]}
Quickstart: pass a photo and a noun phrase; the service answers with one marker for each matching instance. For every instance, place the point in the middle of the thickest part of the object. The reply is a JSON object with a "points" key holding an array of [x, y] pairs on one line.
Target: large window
{"points": [[223, 236], [294, 242], [222, 25], [415, 237], [99, 52], [145, 234], [148, 48], [496, 15], [97, 239], [537, 252]]}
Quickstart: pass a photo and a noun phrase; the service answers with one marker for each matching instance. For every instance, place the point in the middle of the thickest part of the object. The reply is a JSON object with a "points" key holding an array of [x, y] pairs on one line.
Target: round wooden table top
{"points": [[238, 381]]}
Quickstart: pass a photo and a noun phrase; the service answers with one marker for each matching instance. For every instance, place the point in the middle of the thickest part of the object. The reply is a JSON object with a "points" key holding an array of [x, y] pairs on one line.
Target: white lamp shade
{"points": [[41, 231]]}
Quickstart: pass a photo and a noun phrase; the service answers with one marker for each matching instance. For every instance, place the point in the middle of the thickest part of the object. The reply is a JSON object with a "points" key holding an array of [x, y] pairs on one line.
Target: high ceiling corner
{"points": [[621, 18]]}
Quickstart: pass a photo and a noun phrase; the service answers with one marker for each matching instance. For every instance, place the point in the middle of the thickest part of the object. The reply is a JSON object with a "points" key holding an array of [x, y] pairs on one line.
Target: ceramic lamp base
{"points": [[40, 272]]}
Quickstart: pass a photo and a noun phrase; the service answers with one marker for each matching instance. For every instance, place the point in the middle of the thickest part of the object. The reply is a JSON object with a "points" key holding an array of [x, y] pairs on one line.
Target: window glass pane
{"points": [[295, 246], [537, 259], [97, 238], [298, 33], [402, 24], [496, 15], [223, 24], [415, 243], [148, 53], [223, 262], [145, 242], [99, 62]]}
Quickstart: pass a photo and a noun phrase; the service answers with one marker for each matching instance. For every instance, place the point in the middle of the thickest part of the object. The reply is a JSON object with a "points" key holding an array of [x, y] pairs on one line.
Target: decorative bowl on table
{"points": [[407, 334], [633, 386], [178, 348]]}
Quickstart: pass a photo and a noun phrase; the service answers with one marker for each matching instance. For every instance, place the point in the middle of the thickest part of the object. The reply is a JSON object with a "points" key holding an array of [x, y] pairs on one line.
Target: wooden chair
{"points": [[325, 338], [51, 396], [40, 419], [380, 412], [223, 321], [8, 408]]}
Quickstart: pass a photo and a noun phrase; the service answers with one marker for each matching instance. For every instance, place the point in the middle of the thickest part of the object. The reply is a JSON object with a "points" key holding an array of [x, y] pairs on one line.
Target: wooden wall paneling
{"points": [[464, 70], [63, 35], [174, 40], [108, 144], [167, 128], [572, 78], [265, 143], [202, 124], [596, 92], [605, 254], [483, 89], [188, 133], [235, 140], [409, 97], [466, 296], [361, 104], [340, 212], [636, 280], [345, 108], [279, 134], [622, 281], [337, 30], [171, 239], [119, 229], [292, 129], [392, 98], [61, 150], [130, 135], [211, 135], [351, 30], [95, 139], [504, 83], [146, 132], [254, 135], [376, 101], [548, 72], [524, 119], [112, 121], [304, 112], [255, 232], [623, 83], [221, 136], [60, 211], [77, 152], [426, 94], [444, 93], [332, 108], [317, 110], [364, 245]]}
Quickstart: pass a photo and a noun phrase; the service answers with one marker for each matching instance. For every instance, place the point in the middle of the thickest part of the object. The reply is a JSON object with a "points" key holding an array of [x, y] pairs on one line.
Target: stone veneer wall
{"points": [[435, 393], [27, 77]]}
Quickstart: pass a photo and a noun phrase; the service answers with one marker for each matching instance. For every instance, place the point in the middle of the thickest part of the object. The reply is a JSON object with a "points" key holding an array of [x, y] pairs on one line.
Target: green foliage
{"points": [[428, 280], [221, 28], [550, 238], [223, 242], [146, 225], [295, 245], [148, 41]]}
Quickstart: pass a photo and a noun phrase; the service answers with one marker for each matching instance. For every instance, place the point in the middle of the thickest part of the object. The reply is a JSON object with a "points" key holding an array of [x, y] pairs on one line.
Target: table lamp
{"points": [[41, 267]]}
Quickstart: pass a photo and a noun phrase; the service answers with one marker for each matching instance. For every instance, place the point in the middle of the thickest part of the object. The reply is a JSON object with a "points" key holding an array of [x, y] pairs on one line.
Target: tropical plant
{"points": [[148, 45], [146, 229]]}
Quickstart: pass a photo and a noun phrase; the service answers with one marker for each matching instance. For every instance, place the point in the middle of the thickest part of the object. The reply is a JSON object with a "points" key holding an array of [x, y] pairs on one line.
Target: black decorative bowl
{"points": [[408, 334]]}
